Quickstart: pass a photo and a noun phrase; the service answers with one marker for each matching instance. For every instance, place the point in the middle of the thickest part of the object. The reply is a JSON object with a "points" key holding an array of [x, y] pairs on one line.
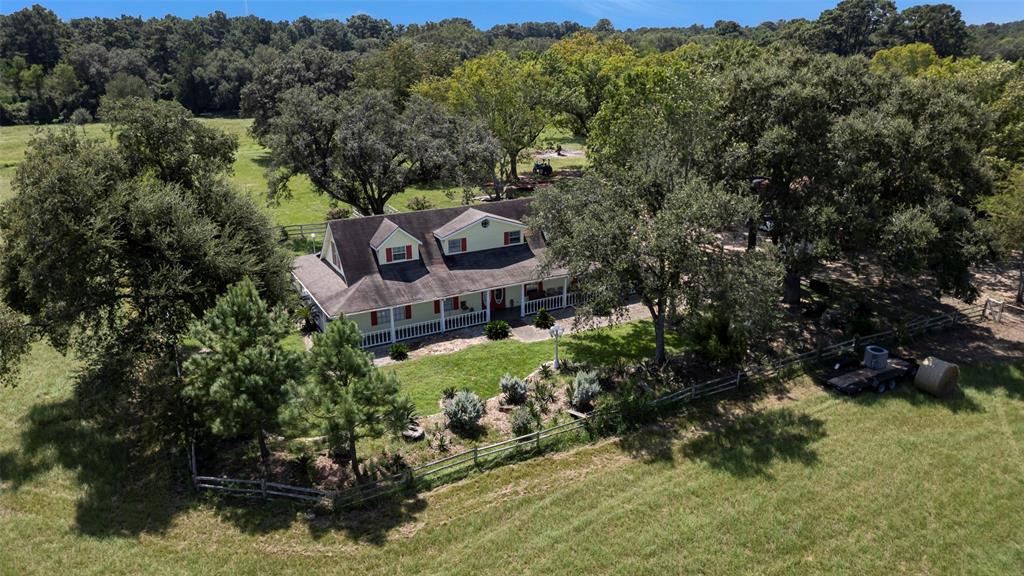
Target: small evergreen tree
{"points": [[346, 396], [238, 379]]}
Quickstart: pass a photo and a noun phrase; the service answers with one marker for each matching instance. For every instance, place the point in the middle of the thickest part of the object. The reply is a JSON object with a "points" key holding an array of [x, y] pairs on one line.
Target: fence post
{"points": [[739, 374], [263, 487], [476, 460], [855, 338], [538, 440]]}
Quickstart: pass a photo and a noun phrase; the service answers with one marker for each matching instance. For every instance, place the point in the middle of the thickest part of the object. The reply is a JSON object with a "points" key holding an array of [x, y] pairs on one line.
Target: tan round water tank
{"points": [[937, 377]]}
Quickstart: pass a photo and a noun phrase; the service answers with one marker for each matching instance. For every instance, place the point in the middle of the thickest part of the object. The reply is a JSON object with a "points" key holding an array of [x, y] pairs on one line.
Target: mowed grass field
{"points": [[892, 484], [304, 206]]}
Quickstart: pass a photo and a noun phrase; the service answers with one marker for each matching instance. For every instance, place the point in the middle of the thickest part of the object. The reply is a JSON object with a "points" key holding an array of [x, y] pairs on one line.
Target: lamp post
{"points": [[556, 331]]}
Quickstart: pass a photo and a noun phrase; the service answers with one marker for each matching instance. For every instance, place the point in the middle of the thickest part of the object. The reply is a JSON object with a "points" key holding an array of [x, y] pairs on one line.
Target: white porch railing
{"points": [[549, 303], [417, 330], [574, 298], [420, 329], [371, 339], [464, 320]]}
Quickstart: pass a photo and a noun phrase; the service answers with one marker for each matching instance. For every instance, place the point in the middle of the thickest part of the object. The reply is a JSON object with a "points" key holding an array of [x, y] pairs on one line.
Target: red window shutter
{"points": [[408, 252], [540, 287], [506, 238], [437, 306], [408, 311], [455, 303], [463, 244], [388, 254], [373, 318]]}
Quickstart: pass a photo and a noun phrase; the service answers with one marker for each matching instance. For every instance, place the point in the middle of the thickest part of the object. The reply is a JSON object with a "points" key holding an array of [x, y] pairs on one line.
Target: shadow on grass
{"points": [[119, 499], [1006, 375], [653, 443], [128, 492], [750, 444], [369, 524], [957, 402], [602, 346]]}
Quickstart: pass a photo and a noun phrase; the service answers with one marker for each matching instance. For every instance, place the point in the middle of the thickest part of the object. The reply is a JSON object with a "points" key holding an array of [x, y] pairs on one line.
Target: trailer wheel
{"points": [[880, 387], [892, 385]]}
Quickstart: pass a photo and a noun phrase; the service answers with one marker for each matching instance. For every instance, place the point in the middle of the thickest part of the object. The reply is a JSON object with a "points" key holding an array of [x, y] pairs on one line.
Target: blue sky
{"points": [[486, 13]]}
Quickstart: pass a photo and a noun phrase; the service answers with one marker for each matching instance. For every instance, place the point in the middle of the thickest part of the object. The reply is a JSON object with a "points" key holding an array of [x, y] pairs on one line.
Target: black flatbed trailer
{"points": [[858, 378]]}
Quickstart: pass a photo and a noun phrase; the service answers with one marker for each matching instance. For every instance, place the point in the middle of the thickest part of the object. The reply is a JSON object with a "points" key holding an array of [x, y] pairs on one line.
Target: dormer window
{"points": [[456, 245], [392, 244], [399, 253], [513, 237]]}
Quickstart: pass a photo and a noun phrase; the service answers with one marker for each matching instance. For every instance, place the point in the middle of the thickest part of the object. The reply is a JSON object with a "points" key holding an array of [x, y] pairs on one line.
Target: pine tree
{"points": [[239, 378], [346, 396]]}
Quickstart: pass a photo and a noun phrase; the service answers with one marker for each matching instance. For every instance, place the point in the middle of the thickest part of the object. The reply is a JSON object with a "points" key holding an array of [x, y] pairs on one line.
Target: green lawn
{"points": [[480, 367], [900, 483], [304, 206]]}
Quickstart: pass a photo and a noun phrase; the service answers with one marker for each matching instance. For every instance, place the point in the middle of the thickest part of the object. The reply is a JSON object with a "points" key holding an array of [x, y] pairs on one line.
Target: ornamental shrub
{"points": [[585, 388], [398, 352], [523, 421], [514, 389], [464, 411], [497, 330], [543, 319]]}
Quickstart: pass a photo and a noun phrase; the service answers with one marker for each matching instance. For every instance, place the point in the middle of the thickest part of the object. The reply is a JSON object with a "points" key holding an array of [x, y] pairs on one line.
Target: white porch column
{"points": [[442, 314], [391, 319], [487, 303], [522, 300], [565, 292]]}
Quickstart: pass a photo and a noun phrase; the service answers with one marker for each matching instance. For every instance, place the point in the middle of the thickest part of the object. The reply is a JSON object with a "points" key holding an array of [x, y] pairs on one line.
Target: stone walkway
{"points": [[521, 330]]}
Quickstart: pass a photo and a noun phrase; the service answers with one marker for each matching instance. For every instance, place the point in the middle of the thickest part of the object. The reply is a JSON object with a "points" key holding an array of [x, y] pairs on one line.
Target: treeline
{"points": [[51, 69]]}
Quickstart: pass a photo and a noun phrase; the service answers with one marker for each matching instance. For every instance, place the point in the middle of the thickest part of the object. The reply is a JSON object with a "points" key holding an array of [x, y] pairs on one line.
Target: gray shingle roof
{"points": [[371, 286], [383, 231]]}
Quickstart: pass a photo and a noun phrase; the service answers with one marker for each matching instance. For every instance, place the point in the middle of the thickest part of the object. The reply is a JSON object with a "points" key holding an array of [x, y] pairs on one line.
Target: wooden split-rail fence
{"points": [[533, 443]]}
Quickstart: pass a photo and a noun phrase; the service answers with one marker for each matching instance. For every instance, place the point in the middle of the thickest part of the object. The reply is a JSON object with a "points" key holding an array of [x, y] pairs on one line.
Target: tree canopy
{"points": [[112, 249], [506, 94], [359, 148]]}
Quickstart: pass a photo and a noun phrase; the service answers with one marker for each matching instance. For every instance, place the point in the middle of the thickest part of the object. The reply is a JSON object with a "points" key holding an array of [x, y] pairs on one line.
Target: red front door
{"points": [[498, 299]]}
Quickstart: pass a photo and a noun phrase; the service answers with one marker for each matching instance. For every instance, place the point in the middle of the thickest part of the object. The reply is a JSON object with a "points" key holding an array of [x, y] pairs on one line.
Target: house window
{"points": [[456, 245], [399, 253], [400, 314], [449, 304], [383, 316], [515, 237]]}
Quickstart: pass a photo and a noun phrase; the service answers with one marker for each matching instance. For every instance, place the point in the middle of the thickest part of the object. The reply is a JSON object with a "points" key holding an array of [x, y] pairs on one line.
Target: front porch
{"points": [[389, 325]]}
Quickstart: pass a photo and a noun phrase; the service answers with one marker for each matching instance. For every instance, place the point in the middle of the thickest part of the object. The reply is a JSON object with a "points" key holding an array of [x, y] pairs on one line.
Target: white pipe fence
{"points": [[477, 456]]}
